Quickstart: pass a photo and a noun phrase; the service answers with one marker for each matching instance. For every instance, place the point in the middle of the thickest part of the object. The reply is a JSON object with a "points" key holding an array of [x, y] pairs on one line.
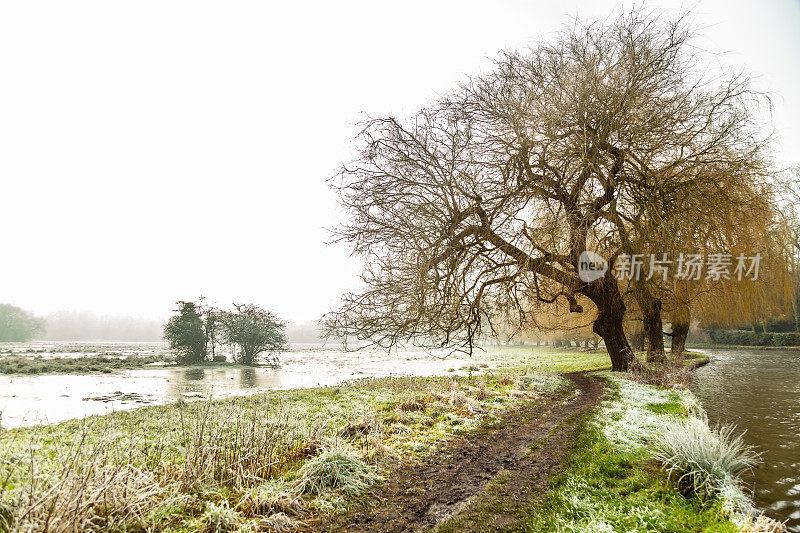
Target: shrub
{"points": [[765, 339], [786, 339], [704, 460], [750, 338]]}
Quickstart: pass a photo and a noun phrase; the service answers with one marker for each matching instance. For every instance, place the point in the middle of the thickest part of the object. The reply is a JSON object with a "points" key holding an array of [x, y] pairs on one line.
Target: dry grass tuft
{"points": [[505, 381], [280, 523], [361, 428], [219, 518], [414, 402], [270, 498], [763, 524], [670, 374]]}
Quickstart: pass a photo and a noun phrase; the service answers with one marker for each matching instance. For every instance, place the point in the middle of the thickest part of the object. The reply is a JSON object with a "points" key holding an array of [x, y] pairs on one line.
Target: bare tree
{"points": [[477, 210]]}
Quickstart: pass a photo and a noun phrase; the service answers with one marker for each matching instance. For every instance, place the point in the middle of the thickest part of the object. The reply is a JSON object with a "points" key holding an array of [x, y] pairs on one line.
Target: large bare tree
{"points": [[477, 209]]}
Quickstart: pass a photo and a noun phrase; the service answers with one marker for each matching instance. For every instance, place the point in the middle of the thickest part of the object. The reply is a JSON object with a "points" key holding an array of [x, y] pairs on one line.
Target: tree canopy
{"points": [[253, 330], [476, 210], [186, 333]]}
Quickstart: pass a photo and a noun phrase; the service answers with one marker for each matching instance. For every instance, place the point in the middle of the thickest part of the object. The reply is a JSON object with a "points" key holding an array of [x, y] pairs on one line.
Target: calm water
{"points": [[759, 391], [28, 400]]}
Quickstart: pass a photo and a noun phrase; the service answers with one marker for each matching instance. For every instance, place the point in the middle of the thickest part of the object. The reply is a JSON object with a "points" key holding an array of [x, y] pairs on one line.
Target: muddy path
{"points": [[525, 447]]}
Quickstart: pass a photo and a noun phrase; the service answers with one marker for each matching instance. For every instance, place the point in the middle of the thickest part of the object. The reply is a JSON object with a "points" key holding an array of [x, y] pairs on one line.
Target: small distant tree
{"points": [[18, 325], [253, 330], [186, 333]]}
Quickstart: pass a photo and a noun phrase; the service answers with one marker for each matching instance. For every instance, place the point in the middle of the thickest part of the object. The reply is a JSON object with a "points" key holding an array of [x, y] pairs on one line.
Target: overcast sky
{"points": [[157, 150]]}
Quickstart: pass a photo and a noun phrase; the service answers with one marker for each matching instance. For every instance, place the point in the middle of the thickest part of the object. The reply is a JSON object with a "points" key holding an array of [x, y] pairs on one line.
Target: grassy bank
{"points": [[244, 463], [553, 359], [613, 480], [27, 365]]}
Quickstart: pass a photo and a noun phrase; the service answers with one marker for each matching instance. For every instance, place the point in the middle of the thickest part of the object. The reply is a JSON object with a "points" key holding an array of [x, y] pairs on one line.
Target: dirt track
{"points": [[418, 497]]}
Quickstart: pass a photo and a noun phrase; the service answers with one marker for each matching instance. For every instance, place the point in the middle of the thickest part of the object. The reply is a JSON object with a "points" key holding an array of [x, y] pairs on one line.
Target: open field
{"points": [[307, 459]]}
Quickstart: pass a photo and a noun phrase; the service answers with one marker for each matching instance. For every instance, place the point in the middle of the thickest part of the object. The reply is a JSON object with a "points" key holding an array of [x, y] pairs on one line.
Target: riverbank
{"points": [[459, 450], [610, 480]]}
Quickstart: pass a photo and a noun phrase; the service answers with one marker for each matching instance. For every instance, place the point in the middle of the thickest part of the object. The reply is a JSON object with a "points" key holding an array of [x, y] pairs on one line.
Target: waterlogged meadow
{"points": [[242, 464], [52, 382]]}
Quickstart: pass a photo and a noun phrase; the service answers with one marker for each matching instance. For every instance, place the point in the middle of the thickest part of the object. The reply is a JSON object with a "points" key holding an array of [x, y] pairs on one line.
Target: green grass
{"points": [[552, 359]]}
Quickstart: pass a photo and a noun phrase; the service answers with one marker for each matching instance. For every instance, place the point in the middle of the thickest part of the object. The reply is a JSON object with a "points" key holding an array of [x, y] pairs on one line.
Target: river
{"points": [[759, 392]]}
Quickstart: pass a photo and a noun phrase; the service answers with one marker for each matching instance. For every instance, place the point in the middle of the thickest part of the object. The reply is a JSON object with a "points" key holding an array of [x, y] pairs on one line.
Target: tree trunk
{"points": [[609, 327], [796, 305], [605, 294], [679, 333], [681, 319], [653, 326], [637, 340]]}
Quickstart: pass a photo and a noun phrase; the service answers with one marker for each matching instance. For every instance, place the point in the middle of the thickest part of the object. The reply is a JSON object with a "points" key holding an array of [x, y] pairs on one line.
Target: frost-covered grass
{"points": [[613, 484], [255, 462], [336, 469], [703, 460], [631, 417], [610, 482], [552, 359]]}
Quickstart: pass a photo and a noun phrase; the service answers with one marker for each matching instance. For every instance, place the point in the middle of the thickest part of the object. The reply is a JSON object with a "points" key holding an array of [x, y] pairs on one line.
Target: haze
{"points": [[156, 151]]}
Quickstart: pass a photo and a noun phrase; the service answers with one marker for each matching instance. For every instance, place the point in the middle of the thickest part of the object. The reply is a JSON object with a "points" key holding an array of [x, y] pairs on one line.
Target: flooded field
{"points": [[49, 398]]}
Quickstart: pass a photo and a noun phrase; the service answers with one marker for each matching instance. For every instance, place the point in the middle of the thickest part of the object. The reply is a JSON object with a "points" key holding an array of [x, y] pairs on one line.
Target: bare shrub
{"points": [[671, 373]]}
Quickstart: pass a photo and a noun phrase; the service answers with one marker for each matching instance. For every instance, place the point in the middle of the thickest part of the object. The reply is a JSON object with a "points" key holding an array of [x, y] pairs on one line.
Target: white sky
{"points": [[157, 150]]}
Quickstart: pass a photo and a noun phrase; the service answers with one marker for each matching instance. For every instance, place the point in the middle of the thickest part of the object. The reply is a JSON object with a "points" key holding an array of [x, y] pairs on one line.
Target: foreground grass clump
{"points": [[244, 463], [704, 461], [338, 469]]}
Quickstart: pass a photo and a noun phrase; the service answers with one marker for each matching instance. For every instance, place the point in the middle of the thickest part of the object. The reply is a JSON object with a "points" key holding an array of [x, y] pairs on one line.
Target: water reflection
{"points": [[247, 378], [194, 374], [759, 391]]}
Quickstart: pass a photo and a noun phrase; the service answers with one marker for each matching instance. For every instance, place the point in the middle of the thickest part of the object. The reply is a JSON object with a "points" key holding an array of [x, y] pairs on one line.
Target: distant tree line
{"points": [[18, 325], [196, 329], [772, 332], [88, 326]]}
